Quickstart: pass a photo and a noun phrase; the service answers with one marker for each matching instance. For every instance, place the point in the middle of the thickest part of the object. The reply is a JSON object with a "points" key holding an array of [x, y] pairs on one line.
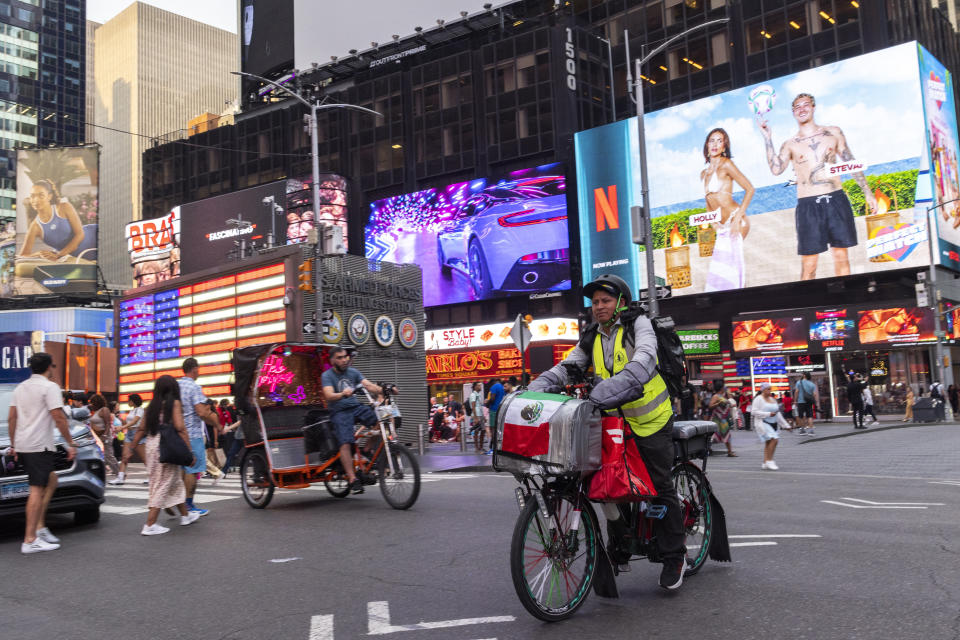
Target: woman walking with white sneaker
{"points": [[166, 480], [764, 410]]}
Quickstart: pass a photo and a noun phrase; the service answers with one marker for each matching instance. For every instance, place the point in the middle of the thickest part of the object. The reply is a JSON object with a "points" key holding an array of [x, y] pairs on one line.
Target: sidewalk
{"points": [[447, 457]]}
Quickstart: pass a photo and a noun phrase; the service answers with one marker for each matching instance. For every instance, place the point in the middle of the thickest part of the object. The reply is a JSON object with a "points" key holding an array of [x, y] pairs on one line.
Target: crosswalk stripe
{"points": [[200, 497]]}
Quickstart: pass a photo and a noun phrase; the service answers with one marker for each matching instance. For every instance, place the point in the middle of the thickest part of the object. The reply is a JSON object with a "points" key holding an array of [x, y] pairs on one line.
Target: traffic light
{"points": [[306, 275]]}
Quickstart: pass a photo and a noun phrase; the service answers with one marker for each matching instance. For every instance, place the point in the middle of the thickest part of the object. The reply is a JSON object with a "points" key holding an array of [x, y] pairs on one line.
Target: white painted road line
{"points": [[866, 506], [924, 504], [144, 494], [122, 511], [321, 628], [952, 483], [778, 535], [753, 544], [378, 621]]}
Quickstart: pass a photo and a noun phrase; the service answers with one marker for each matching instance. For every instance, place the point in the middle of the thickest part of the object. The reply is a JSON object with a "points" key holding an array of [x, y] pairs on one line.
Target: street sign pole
{"points": [[521, 336]]}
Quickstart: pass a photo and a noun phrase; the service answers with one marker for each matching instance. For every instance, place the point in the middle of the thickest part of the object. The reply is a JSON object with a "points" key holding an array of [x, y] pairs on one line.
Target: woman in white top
{"points": [[764, 412], [726, 266]]}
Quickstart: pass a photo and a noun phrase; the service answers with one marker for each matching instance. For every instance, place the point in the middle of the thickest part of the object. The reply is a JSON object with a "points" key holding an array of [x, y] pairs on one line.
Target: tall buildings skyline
{"points": [[42, 81], [141, 96]]}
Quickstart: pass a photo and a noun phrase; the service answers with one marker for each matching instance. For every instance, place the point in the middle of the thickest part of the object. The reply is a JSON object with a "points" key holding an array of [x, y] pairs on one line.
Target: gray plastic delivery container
{"points": [[539, 433]]}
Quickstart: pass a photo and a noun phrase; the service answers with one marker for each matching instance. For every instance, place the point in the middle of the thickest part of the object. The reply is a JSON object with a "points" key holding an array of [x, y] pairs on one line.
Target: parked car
{"points": [[80, 483], [511, 237]]}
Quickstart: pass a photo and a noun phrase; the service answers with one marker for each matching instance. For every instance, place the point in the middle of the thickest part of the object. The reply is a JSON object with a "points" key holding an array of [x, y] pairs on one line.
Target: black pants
{"points": [[868, 409], [857, 413], [657, 452]]}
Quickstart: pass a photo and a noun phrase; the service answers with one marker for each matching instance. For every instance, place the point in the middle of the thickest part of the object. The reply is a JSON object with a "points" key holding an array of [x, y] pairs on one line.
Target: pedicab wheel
{"points": [[401, 487], [337, 485], [551, 563], [697, 515], [255, 478]]}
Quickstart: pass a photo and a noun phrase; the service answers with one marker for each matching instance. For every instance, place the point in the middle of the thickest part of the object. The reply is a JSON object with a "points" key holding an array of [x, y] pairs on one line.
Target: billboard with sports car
{"points": [[481, 239], [817, 174]]}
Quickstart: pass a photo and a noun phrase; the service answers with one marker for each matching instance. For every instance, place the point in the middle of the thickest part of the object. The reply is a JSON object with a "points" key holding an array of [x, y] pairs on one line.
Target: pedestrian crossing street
{"points": [[130, 498]]}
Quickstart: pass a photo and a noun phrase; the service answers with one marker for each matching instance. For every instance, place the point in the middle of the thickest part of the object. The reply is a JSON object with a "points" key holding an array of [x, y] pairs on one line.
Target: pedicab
{"points": [[290, 443]]}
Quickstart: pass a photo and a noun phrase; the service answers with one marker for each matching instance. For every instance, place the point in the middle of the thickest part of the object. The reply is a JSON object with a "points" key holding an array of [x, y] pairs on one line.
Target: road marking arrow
{"points": [[378, 621]]}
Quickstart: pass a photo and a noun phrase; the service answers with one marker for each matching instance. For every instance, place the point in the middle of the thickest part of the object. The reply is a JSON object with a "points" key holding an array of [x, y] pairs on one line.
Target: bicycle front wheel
{"points": [[552, 563], [401, 486], [697, 515]]}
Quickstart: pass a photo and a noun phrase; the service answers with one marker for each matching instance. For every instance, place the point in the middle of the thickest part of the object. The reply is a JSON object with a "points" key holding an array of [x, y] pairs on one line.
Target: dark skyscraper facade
{"points": [[42, 84]]}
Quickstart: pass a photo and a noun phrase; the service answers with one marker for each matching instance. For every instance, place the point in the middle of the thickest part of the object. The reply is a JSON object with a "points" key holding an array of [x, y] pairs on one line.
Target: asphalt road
{"points": [[816, 556]]}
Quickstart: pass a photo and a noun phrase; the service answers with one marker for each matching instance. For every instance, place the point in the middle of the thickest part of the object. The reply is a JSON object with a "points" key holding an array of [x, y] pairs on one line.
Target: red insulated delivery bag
{"points": [[622, 476]]}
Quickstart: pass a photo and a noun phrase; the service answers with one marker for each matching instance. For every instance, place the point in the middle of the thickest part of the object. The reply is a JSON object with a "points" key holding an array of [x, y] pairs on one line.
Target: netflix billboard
{"points": [[846, 194]]}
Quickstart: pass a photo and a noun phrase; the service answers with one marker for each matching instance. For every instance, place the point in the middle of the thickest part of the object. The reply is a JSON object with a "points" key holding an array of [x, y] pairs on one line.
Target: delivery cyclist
{"points": [[629, 382]]}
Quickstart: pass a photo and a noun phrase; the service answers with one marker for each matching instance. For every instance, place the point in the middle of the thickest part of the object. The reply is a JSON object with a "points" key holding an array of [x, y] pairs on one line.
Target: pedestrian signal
{"points": [[306, 275]]}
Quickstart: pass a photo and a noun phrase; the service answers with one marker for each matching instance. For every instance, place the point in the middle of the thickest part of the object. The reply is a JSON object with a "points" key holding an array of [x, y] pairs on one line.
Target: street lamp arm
{"points": [[339, 105], [670, 41], [273, 84]]}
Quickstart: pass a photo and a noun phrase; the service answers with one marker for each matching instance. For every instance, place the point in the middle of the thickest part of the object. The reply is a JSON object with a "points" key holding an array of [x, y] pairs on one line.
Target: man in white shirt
{"points": [[868, 405], [35, 410]]}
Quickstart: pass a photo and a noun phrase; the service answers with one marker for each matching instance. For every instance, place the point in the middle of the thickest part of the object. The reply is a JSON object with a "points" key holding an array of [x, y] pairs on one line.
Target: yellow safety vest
{"points": [[648, 414]]}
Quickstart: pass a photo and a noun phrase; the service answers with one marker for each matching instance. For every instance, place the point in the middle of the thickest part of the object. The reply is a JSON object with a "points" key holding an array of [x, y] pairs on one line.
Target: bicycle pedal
{"points": [[657, 511]]}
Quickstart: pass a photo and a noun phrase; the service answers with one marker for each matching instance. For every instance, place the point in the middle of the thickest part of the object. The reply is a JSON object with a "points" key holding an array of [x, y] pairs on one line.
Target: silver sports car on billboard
{"points": [[512, 237]]}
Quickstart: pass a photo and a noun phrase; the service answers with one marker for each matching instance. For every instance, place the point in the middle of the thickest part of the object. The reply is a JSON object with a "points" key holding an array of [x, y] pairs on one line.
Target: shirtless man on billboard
{"points": [[823, 214]]}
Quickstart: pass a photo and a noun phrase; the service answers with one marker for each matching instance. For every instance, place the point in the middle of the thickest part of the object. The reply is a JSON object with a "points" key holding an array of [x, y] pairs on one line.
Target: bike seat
{"points": [[691, 428]]}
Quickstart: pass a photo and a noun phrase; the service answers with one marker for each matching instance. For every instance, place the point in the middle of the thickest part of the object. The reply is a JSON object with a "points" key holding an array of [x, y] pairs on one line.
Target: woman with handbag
{"points": [[161, 426], [765, 410]]}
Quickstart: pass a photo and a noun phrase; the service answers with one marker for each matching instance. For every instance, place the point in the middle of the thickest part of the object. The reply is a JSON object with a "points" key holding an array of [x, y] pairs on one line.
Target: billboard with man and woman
{"points": [[818, 174]]}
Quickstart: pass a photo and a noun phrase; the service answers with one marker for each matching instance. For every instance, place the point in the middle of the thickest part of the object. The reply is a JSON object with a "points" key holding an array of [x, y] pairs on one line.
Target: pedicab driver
{"points": [[629, 382], [339, 383]]}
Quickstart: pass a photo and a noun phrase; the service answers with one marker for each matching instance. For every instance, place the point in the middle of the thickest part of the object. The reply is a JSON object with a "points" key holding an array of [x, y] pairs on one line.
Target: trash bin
{"points": [[924, 410]]}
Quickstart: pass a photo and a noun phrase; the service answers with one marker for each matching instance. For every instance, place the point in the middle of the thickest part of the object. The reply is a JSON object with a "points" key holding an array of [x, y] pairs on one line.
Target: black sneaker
{"points": [[671, 577], [356, 486], [367, 479]]}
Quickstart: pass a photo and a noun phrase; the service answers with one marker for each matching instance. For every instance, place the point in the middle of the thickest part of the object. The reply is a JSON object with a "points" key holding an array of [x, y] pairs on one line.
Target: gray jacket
{"points": [[621, 388]]}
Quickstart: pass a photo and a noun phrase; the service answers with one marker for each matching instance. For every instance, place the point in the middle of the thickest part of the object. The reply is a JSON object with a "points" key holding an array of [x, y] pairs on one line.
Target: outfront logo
{"points": [[605, 204]]}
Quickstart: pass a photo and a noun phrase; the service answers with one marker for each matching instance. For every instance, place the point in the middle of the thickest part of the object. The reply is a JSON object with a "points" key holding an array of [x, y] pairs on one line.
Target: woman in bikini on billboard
{"points": [[726, 266]]}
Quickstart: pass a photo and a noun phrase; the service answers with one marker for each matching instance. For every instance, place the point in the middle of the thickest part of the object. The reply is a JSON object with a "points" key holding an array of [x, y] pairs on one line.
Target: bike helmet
{"points": [[614, 285]]}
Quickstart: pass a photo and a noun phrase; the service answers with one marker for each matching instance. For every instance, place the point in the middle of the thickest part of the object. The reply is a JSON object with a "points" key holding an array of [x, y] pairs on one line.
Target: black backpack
{"points": [[671, 364]]}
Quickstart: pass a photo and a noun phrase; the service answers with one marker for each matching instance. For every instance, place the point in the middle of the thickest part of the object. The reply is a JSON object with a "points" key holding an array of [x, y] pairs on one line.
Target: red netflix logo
{"points": [[605, 203]]}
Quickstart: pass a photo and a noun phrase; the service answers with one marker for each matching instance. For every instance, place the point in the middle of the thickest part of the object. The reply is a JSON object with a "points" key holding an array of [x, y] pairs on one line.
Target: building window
{"points": [[25, 15], [719, 49]]}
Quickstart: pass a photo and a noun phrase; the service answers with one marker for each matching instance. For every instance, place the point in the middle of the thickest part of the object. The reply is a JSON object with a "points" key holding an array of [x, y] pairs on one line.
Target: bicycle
{"points": [[557, 551]]}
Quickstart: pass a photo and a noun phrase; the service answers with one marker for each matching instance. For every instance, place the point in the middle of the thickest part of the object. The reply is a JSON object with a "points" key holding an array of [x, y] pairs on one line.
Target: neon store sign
{"points": [[275, 374]]}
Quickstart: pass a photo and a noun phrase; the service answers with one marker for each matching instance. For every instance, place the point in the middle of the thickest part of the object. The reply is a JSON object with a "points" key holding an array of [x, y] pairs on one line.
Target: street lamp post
{"points": [[315, 164], [653, 305], [934, 294]]}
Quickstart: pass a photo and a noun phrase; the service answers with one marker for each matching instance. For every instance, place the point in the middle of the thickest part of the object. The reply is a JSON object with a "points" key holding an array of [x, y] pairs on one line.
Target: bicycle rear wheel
{"points": [[697, 515], [552, 563]]}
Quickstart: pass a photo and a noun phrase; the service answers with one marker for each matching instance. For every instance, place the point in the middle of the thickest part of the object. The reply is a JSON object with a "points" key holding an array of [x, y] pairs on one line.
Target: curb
{"points": [[851, 432], [468, 469]]}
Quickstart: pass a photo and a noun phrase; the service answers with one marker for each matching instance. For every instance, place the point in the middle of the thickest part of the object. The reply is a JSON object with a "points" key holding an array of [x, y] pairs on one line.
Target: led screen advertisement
{"points": [[267, 44], [777, 334], [481, 239], [154, 248], [206, 320], [212, 229], [895, 325], [56, 229], [806, 176], [936, 84]]}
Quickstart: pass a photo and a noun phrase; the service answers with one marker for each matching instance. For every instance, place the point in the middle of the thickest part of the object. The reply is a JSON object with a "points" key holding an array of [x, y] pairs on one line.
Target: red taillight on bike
{"points": [[510, 220]]}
